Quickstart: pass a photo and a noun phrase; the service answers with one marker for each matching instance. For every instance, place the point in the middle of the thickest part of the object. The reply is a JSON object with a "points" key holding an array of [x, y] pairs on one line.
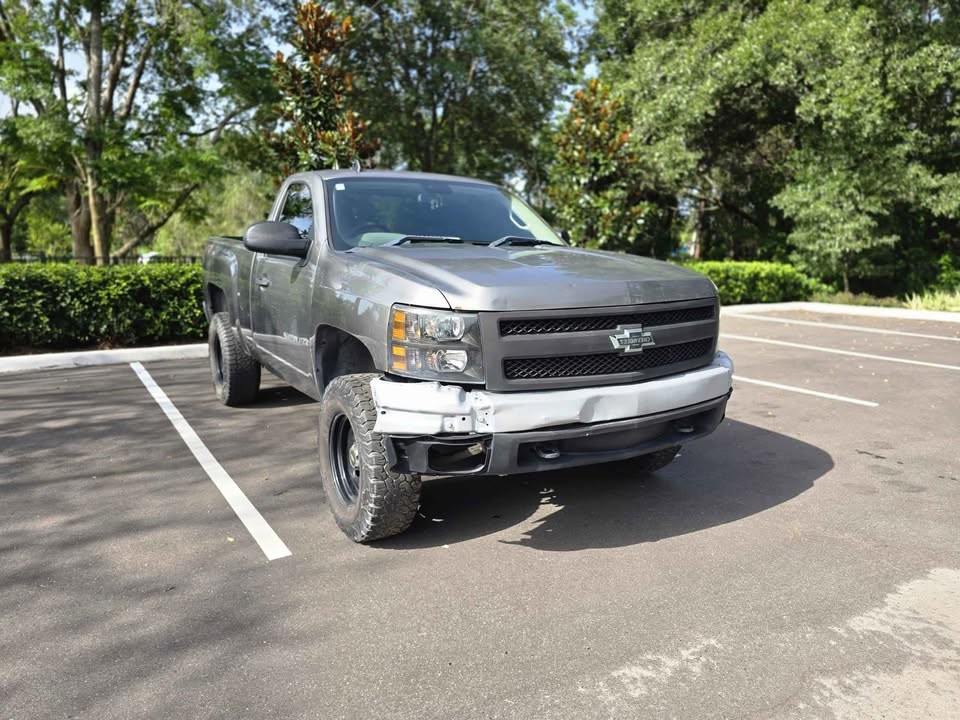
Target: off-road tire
{"points": [[236, 375], [650, 463], [385, 502]]}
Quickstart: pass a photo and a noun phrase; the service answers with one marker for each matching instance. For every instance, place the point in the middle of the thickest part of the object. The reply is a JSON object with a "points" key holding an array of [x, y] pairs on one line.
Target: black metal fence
{"points": [[132, 260]]}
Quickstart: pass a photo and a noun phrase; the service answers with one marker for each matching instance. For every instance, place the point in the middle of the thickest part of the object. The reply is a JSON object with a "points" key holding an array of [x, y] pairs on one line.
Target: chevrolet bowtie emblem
{"points": [[632, 339]]}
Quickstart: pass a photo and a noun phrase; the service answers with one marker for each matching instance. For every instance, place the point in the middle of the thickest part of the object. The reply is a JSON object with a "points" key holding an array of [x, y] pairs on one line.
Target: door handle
{"points": [[263, 281]]}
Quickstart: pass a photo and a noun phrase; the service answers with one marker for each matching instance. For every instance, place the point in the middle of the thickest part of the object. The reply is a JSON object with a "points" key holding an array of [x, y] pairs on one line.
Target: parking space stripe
{"points": [[268, 540], [835, 351], [805, 391], [836, 326]]}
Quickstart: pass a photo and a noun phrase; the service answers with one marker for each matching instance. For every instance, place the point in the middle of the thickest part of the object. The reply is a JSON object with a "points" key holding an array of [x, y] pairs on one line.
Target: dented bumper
{"points": [[429, 408], [438, 429]]}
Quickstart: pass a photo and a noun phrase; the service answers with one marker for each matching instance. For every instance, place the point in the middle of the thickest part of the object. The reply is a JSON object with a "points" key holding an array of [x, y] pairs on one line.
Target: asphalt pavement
{"points": [[801, 562]]}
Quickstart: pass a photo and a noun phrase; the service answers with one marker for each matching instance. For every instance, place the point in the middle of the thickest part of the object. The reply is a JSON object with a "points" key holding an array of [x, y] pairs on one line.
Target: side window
{"points": [[298, 210]]}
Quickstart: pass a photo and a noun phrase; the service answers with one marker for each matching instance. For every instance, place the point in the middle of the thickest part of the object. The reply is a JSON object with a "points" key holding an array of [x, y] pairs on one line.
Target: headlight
{"points": [[435, 344]]}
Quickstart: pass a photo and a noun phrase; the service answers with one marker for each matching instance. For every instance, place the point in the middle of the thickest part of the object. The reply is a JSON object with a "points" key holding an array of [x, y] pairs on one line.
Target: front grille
{"points": [[603, 363], [586, 323]]}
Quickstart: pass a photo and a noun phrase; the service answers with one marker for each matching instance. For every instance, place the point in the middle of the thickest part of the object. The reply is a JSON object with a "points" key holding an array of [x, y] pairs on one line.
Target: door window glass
{"points": [[298, 210]]}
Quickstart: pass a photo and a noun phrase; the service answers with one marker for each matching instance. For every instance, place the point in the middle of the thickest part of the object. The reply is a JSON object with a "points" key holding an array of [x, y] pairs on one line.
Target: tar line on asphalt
{"points": [[835, 351], [838, 326], [268, 540], [806, 391]]}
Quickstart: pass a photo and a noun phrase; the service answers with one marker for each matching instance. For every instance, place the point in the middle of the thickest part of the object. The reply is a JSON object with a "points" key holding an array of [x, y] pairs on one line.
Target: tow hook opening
{"points": [[547, 450], [684, 426]]}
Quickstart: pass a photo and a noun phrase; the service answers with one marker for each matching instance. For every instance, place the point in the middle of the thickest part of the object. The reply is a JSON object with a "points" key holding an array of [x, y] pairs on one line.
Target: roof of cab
{"points": [[349, 173]]}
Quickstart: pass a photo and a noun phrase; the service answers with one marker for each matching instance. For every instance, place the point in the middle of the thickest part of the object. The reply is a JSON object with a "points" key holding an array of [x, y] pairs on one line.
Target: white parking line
{"points": [[835, 351], [268, 540], [805, 391], [836, 326]]}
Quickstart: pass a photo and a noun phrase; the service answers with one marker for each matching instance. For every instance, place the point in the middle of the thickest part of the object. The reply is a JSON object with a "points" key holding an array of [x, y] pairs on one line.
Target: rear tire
{"points": [[236, 374], [368, 500]]}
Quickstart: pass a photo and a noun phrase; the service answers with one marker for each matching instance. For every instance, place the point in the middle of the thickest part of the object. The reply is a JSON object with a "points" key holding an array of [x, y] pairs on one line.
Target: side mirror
{"points": [[275, 238], [564, 235]]}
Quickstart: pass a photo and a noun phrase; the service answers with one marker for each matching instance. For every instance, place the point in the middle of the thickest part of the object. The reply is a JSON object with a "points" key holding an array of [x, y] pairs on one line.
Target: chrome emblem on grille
{"points": [[632, 339]]}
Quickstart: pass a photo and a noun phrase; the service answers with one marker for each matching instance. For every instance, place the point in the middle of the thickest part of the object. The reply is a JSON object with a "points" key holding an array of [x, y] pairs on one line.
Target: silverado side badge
{"points": [[632, 339]]}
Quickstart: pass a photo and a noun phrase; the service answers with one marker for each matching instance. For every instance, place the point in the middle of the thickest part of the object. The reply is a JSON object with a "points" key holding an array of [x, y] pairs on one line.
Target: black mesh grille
{"points": [[603, 363], [586, 323]]}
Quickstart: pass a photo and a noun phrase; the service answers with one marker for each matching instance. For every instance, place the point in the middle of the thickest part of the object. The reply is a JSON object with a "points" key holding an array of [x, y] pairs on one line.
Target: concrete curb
{"points": [[90, 358], [832, 309]]}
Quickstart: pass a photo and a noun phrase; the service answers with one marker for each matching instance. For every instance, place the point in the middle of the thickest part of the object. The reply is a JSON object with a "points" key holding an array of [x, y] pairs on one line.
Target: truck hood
{"points": [[476, 277]]}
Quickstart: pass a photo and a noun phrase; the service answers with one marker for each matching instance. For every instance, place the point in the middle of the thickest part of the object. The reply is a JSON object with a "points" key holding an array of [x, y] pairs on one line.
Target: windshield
{"points": [[371, 211]]}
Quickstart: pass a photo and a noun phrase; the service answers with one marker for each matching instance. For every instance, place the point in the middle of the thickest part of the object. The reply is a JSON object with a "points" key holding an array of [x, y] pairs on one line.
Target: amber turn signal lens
{"points": [[398, 359], [399, 325]]}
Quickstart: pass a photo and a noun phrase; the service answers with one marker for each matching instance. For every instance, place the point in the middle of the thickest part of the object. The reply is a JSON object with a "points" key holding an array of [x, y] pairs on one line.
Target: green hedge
{"points": [[757, 282], [66, 306]]}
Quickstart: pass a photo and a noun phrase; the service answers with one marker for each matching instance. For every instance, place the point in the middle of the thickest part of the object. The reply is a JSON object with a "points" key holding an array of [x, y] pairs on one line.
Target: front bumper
{"points": [[441, 429]]}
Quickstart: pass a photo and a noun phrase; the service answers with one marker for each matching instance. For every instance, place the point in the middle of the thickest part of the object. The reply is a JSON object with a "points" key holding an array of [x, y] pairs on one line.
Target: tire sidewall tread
{"points": [[387, 501], [240, 370]]}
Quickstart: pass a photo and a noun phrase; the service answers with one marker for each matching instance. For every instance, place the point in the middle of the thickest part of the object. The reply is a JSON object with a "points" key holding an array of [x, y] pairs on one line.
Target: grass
{"points": [[842, 298], [948, 300], [944, 300]]}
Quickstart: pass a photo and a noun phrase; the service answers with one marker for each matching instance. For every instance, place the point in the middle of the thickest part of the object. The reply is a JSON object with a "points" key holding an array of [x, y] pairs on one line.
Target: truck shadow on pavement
{"points": [[737, 472]]}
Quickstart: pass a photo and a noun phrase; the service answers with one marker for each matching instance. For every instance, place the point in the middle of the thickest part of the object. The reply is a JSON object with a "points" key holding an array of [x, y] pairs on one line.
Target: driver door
{"points": [[282, 288]]}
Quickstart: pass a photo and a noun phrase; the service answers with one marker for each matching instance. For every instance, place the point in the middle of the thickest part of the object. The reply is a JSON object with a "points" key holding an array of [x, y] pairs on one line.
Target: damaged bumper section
{"points": [[445, 430]]}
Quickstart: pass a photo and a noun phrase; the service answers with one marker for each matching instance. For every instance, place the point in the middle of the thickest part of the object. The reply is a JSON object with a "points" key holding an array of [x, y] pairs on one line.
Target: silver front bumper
{"points": [[429, 408]]}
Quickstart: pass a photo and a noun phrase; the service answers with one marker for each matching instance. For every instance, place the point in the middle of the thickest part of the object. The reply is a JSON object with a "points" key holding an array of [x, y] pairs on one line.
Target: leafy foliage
{"points": [[460, 86], [138, 95], [600, 188], [318, 128], [62, 306], [757, 282], [822, 128]]}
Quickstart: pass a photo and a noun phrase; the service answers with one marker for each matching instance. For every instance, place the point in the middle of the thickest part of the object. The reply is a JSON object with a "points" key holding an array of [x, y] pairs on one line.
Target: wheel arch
{"points": [[337, 352]]}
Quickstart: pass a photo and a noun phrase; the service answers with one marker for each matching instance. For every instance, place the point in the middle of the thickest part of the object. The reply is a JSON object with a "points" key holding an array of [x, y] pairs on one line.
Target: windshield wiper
{"points": [[518, 240], [423, 239]]}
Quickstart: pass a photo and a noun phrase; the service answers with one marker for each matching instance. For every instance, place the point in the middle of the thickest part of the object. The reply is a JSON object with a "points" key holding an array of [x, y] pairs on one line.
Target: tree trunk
{"points": [[6, 241], [98, 224], [94, 139], [79, 214]]}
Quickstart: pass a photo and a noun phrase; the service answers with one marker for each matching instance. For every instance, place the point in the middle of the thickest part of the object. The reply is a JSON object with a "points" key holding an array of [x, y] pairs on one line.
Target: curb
{"points": [[833, 309], [92, 358]]}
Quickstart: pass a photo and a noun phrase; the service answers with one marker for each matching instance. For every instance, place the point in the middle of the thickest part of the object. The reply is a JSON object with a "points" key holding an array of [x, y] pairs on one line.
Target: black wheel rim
{"points": [[344, 459], [217, 361]]}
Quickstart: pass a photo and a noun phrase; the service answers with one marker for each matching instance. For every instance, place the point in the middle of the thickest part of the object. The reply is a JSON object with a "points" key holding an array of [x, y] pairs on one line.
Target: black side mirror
{"points": [[564, 235], [275, 238]]}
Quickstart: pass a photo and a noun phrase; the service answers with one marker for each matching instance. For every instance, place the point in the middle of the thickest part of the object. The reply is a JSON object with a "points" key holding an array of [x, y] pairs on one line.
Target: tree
{"points": [[460, 86], [599, 189], [142, 91], [22, 173], [316, 128], [822, 128]]}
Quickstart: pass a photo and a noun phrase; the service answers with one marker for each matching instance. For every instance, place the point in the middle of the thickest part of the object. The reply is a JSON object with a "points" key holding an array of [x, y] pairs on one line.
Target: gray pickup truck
{"points": [[446, 329]]}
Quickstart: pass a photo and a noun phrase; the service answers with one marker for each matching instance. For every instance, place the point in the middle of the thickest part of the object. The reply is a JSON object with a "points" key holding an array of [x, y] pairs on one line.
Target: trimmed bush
{"points": [[757, 282], [67, 306]]}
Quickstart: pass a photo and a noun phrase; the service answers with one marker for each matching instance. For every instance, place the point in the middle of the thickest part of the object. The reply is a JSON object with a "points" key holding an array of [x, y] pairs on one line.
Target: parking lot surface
{"points": [[802, 562]]}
